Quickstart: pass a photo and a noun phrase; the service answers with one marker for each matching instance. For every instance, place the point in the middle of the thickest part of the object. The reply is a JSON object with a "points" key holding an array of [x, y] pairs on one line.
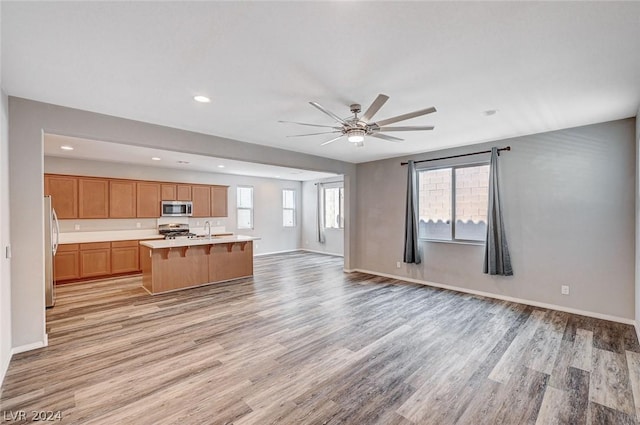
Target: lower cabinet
{"points": [[66, 264], [124, 257], [97, 259]]}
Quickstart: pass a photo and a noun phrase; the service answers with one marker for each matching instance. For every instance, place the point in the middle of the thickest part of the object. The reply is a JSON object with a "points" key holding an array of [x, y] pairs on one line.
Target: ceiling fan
{"points": [[356, 128]]}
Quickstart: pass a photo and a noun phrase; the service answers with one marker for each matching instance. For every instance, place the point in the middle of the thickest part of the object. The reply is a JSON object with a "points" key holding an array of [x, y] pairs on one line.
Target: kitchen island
{"points": [[169, 265]]}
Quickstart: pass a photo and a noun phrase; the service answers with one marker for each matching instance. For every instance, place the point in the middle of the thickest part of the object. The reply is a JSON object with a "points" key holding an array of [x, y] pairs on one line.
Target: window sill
{"points": [[476, 243]]}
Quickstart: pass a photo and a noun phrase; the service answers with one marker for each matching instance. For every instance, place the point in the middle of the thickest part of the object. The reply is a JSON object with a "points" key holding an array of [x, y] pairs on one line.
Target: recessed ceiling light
{"points": [[182, 162], [66, 148], [155, 158], [277, 177], [220, 166], [201, 99], [490, 112]]}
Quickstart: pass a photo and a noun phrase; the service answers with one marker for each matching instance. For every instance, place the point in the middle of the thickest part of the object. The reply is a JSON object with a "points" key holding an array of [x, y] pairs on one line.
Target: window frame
{"points": [[340, 201], [239, 208], [292, 209], [452, 167]]}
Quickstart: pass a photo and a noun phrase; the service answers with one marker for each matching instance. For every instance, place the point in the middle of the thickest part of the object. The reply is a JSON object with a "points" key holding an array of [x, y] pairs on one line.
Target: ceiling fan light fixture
{"points": [[355, 135]]}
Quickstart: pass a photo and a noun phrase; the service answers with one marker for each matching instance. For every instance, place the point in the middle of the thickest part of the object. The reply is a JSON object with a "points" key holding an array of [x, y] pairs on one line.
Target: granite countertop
{"points": [[175, 243]]}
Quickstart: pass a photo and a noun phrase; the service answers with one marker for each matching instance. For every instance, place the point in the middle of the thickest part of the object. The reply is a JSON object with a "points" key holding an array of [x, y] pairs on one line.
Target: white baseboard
{"points": [[635, 325], [29, 347], [276, 252], [507, 298], [4, 367], [321, 252]]}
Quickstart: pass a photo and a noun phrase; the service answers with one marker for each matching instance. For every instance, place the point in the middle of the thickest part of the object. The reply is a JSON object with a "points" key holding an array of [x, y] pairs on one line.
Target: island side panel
{"points": [[179, 268], [146, 267], [231, 261]]}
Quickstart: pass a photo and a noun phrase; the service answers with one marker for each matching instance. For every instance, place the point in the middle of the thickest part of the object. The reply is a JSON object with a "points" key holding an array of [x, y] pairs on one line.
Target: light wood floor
{"points": [[304, 343]]}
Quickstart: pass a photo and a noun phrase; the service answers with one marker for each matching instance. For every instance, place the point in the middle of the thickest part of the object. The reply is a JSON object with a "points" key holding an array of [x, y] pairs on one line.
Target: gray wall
{"points": [[27, 121], [569, 210], [334, 238], [267, 195]]}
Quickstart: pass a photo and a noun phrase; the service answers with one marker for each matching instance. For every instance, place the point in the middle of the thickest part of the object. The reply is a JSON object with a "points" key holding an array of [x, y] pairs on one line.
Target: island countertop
{"points": [[176, 243]]}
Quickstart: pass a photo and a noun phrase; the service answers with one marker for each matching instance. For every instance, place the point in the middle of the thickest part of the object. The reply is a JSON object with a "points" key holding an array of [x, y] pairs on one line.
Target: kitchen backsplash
{"points": [[98, 225]]}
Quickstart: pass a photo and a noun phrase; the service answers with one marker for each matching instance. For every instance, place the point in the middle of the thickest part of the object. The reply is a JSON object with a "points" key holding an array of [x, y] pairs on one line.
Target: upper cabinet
{"points": [[201, 197], [184, 192], [149, 198], [219, 201], [176, 192], [168, 192], [93, 198], [64, 194], [122, 199]]}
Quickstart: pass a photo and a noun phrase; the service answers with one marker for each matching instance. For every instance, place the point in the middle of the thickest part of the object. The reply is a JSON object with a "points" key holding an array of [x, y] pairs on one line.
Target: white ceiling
{"points": [[136, 155], [541, 65]]}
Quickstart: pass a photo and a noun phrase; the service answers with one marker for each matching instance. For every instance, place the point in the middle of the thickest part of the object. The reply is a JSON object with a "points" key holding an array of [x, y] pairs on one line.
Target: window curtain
{"points": [[497, 260], [320, 211], [411, 249]]}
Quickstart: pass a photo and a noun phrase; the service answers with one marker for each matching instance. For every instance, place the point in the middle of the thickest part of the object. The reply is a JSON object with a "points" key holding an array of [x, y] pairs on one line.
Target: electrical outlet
{"points": [[138, 225], [398, 264], [76, 227], [564, 289], [197, 224], [256, 246]]}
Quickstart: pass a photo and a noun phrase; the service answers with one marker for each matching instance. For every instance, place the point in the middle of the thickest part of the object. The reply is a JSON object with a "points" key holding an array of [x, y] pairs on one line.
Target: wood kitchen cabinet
{"points": [[95, 259], [125, 257], [168, 192], [183, 192], [219, 201], [93, 198], [66, 264], [176, 192], [122, 199], [201, 197], [64, 194], [149, 195]]}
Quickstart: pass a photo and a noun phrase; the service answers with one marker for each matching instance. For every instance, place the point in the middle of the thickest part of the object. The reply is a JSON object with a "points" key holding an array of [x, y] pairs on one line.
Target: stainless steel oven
{"points": [[177, 208]]}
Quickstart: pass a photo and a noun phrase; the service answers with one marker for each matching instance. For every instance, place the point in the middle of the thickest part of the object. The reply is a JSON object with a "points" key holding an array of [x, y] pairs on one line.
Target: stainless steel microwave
{"points": [[177, 208]]}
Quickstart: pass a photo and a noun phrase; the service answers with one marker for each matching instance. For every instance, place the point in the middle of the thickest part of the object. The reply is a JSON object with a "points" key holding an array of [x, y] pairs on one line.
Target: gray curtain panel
{"points": [[411, 249], [497, 260], [320, 212]]}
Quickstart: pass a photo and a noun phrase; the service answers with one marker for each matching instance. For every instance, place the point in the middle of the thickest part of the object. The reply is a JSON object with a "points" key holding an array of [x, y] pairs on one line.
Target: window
{"points": [[288, 208], [245, 207], [334, 207], [453, 202]]}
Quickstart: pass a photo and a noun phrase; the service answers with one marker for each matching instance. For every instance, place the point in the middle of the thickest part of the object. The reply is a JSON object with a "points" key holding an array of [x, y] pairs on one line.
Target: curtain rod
{"points": [[508, 148]]}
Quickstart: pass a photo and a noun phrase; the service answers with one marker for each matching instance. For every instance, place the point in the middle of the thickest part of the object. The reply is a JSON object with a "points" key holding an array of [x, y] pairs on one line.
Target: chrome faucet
{"points": [[207, 225]]}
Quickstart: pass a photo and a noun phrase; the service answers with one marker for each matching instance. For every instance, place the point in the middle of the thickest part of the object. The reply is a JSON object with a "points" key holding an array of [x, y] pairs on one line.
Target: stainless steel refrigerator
{"points": [[51, 240]]}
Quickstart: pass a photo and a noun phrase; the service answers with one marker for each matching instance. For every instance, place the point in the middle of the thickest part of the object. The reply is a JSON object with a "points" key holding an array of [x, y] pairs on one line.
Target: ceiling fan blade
{"points": [[311, 125], [331, 114], [313, 134], [407, 128], [385, 137], [375, 107], [331, 141], [406, 116]]}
